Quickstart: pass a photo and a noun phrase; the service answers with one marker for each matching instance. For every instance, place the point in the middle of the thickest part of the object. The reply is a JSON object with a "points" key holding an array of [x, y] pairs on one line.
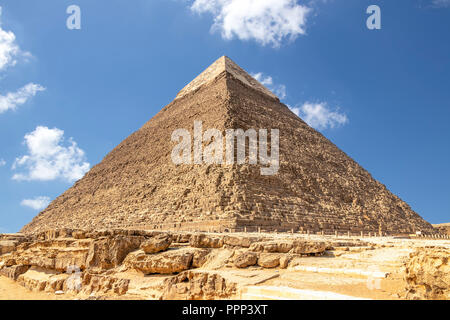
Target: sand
{"points": [[11, 290]]}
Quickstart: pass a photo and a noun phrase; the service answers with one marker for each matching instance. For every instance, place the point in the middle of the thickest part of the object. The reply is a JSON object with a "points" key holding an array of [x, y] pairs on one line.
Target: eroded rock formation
{"points": [[428, 274], [113, 264]]}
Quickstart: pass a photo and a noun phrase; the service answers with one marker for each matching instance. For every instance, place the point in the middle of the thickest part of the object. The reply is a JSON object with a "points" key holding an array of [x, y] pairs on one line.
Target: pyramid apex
{"points": [[224, 64]]}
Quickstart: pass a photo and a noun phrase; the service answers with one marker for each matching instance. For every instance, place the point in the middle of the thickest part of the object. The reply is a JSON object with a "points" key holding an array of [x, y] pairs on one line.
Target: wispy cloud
{"points": [[440, 3], [317, 115], [278, 89], [2, 162], [49, 159], [12, 100], [268, 22], [320, 116], [38, 203]]}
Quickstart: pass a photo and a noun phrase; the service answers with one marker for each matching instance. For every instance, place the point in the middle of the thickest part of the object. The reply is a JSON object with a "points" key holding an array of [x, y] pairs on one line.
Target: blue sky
{"points": [[68, 97]]}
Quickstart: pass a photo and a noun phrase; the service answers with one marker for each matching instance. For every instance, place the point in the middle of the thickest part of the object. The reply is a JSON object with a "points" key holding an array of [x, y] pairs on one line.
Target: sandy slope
{"points": [[11, 290]]}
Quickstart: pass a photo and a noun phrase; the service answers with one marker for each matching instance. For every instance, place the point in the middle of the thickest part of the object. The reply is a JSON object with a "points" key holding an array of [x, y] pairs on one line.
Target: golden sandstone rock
{"points": [[198, 285], [164, 263], [245, 259], [157, 244], [428, 274], [205, 241], [298, 247], [106, 253], [269, 260], [112, 264], [237, 241], [7, 246]]}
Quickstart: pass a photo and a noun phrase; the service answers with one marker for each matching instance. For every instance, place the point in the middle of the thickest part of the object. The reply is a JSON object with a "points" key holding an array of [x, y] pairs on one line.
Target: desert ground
{"points": [[124, 264]]}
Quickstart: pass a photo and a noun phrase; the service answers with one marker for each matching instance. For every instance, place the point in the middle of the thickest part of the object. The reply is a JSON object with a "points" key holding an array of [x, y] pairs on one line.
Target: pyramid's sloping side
{"points": [[318, 187], [137, 185]]}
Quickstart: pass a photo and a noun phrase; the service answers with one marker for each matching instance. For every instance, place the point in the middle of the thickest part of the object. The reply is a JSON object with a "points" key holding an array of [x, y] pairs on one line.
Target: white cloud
{"points": [[2, 162], [319, 116], [268, 22], [267, 81], [9, 50], [12, 100], [48, 159], [38, 203], [8, 47]]}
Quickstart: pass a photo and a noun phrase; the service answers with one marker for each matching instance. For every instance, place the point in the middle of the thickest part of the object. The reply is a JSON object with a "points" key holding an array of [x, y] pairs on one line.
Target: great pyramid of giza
{"points": [[317, 187]]}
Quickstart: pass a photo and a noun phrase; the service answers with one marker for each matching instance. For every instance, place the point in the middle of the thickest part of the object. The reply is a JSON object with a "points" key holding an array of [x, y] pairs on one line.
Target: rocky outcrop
{"points": [[297, 247], [200, 257], [309, 247], [192, 285], [19, 237], [13, 272], [205, 241], [50, 254], [245, 259], [168, 262], [39, 279], [114, 263], [284, 261], [106, 253], [103, 284], [157, 244], [269, 260], [181, 237], [6, 246], [428, 274], [240, 241]]}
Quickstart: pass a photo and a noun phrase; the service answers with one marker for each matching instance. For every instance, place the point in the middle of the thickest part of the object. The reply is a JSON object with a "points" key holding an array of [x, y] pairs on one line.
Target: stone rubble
{"points": [[184, 265]]}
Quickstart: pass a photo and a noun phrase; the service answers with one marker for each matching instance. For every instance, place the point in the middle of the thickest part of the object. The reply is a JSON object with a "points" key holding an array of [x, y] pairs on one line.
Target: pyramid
{"points": [[318, 188]]}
